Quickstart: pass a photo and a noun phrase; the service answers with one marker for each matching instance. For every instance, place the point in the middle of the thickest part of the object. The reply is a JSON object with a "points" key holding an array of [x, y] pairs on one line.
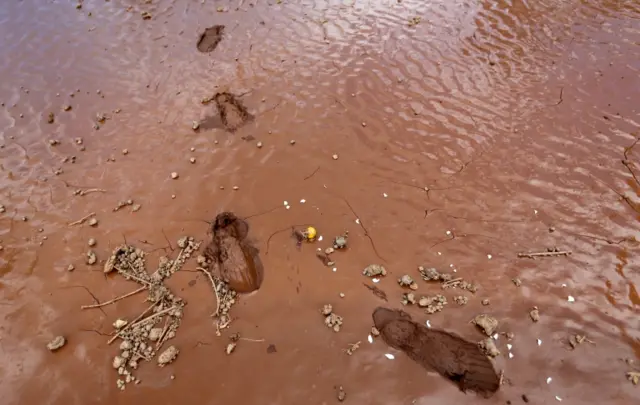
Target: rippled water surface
{"points": [[487, 129]]}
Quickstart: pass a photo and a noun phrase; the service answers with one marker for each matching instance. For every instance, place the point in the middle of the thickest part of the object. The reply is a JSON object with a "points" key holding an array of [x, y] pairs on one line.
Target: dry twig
{"points": [[81, 220], [215, 289], [533, 255], [114, 300]]}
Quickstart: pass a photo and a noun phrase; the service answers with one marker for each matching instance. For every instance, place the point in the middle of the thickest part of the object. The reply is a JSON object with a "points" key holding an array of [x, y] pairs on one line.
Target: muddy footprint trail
{"points": [[234, 258], [450, 355]]}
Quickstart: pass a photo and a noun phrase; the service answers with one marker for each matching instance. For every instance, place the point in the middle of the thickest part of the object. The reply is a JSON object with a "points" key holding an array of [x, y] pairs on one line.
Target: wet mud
{"points": [[210, 38], [471, 138], [449, 355], [234, 258]]}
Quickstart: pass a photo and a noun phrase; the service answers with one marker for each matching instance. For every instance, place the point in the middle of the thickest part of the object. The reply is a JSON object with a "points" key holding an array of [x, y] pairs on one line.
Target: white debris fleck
{"points": [[535, 212], [549, 379], [496, 336], [539, 342], [558, 399], [451, 265], [439, 253], [564, 285], [286, 203], [370, 339], [489, 257], [510, 355], [448, 232], [335, 269], [455, 271], [303, 201], [385, 195], [375, 280], [428, 323], [287, 206], [320, 238], [358, 221], [571, 299], [509, 346], [389, 356]]}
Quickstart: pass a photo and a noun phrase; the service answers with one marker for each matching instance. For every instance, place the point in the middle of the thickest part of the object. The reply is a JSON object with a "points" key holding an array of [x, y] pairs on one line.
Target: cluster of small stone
{"points": [[142, 339], [331, 319]]}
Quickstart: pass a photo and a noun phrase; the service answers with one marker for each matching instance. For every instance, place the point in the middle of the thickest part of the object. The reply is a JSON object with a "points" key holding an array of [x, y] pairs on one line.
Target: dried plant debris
{"points": [[144, 336], [461, 300], [340, 393], [433, 304], [633, 376], [376, 291], [451, 356], [331, 319], [374, 270], [352, 348], [486, 323], [407, 281], [56, 343], [447, 280], [576, 340], [233, 114], [210, 38], [488, 347]]}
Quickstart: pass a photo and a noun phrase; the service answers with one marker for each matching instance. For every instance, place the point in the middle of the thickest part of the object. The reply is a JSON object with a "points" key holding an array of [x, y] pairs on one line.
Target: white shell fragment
{"points": [[428, 323], [385, 195], [510, 355], [303, 201], [286, 203], [389, 356], [549, 379], [370, 339], [496, 336], [358, 221], [571, 299], [489, 257], [375, 280], [509, 346], [558, 399], [320, 238], [539, 342]]}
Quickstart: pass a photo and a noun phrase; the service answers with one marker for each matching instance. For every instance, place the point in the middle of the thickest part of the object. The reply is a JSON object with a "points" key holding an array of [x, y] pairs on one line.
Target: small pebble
{"points": [[56, 343], [193, 149], [236, 187], [93, 222], [174, 175], [335, 157], [71, 267], [192, 160], [125, 151], [292, 142], [364, 124], [259, 145], [92, 242]]}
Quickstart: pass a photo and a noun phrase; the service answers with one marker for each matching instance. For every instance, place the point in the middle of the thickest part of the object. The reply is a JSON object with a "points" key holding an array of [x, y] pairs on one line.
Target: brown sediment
{"points": [[235, 259], [509, 141], [453, 357]]}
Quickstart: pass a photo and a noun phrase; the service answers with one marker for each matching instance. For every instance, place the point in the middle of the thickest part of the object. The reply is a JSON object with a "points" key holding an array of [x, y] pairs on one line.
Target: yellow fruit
{"points": [[311, 233]]}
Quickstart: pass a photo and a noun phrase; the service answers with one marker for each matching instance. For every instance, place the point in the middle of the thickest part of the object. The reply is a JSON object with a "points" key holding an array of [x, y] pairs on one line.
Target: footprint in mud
{"points": [[210, 38], [234, 257], [231, 111], [450, 355]]}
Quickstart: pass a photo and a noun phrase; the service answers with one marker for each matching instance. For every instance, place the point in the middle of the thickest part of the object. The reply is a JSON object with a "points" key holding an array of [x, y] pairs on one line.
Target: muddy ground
{"points": [[493, 141]]}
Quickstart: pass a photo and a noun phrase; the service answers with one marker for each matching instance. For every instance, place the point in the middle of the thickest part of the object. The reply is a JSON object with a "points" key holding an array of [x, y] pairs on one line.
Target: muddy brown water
{"points": [[514, 114]]}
